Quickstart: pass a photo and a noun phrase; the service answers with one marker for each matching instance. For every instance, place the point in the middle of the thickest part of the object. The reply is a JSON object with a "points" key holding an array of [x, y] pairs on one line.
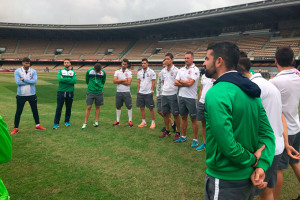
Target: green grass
{"points": [[98, 163]]}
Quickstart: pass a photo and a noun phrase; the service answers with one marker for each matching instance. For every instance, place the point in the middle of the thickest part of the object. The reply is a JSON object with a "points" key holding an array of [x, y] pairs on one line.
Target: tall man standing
{"points": [[26, 78], [238, 134], [187, 80], [169, 97], [271, 101], [65, 93], [95, 79], [159, 87], [145, 87], [288, 84], [123, 78]]}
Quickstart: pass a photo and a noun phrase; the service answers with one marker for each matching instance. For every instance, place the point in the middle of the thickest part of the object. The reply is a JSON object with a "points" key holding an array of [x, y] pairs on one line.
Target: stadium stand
{"points": [[257, 28], [9, 44], [138, 51]]}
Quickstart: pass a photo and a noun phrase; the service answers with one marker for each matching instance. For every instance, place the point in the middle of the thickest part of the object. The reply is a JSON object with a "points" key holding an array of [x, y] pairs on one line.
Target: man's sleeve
{"points": [[178, 76], [104, 77], [61, 80], [130, 75], [18, 79], [218, 111], [5, 142], [265, 136], [196, 74], [115, 73], [74, 78], [153, 76]]}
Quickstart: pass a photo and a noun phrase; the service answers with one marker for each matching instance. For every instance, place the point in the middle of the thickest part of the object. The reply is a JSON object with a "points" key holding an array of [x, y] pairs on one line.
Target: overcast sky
{"points": [[101, 11]]}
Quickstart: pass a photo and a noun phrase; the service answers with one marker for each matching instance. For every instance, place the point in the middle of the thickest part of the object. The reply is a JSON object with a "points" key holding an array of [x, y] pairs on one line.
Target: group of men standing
{"points": [[250, 126]]}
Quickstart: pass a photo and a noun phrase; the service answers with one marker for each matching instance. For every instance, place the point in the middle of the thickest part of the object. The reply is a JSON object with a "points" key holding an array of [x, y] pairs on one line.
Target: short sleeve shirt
{"points": [[288, 84], [123, 75], [206, 83], [271, 100], [185, 74], [146, 80], [169, 80]]}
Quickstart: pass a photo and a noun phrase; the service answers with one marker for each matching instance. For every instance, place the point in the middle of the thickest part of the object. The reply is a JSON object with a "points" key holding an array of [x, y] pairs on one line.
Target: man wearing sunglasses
{"points": [[145, 87]]}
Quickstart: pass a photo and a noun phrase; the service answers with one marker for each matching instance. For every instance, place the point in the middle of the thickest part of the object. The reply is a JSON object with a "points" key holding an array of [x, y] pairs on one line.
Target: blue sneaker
{"points": [[55, 126], [201, 147], [67, 124], [181, 139], [195, 143]]}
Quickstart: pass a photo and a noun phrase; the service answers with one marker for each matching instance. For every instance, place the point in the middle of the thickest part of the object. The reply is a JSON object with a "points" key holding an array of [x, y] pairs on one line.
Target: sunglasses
{"points": [[144, 75]]}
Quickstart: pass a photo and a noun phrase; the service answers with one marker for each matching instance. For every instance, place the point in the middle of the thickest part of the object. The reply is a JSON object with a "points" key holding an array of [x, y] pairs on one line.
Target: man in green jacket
{"points": [[65, 93], [240, 143], [5, 154], [95, 79]]}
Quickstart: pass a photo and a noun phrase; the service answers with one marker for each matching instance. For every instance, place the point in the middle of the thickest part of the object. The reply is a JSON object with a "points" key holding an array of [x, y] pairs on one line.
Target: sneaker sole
{"points": [[179, 141], [200, 150]]}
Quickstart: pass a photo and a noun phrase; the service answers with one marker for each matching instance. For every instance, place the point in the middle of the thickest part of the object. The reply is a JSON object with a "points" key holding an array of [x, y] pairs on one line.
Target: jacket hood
{"points": [[250, 88]]}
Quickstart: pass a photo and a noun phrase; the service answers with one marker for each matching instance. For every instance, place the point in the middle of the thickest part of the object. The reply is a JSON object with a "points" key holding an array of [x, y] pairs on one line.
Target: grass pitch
{"points": [[99, 163]]}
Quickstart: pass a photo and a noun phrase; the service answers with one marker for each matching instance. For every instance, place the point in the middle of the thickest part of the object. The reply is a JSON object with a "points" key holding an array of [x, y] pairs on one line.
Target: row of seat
{"points": [[254, 46]]}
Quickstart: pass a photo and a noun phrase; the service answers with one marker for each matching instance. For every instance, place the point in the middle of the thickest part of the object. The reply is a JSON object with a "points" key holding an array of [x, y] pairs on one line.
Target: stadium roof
{"points": [[266, 11]]}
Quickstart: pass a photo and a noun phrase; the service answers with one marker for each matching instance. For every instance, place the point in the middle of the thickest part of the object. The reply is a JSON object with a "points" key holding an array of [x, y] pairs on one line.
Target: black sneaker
{"points": [[174, 127], [163, 129]]}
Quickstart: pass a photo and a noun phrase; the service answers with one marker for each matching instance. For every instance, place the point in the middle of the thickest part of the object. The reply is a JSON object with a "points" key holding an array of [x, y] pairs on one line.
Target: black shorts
{"points": [[170, 104], [122, 97], [143, 100], [294, 141], [188, 106], [200, 111], [271, 175], [158, 103], [97, 97]]}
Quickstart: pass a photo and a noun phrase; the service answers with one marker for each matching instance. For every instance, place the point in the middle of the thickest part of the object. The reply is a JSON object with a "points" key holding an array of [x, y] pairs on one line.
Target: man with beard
{"points": [[65, 93], [26, 78], [187, 80], [240, 142], [145, 88], [123, 78]]}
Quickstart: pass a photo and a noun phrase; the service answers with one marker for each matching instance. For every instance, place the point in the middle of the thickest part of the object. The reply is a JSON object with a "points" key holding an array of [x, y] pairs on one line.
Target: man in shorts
{"points": [[145, 87], [206, 84], [65, 93], [288, 83], [159, 86], [169, 97], [187, 80], [95, 79], [271, 100], [123, 78], [26, 78]]}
